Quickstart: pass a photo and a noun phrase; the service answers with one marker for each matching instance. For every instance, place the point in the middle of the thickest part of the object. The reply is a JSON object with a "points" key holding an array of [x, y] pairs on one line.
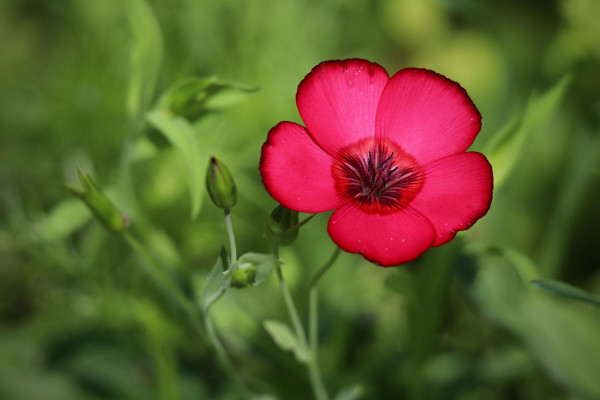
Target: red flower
{"points": [[387, 154]]}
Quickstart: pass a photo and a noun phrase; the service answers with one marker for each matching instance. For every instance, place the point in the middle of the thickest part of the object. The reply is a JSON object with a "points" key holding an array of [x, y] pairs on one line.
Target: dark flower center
{"points": [[378, 175]]}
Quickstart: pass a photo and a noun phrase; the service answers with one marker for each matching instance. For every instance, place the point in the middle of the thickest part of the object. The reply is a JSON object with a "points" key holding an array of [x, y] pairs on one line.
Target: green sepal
{"points": [[192, 97], [282, 225], [239, 279], [257, 266]]}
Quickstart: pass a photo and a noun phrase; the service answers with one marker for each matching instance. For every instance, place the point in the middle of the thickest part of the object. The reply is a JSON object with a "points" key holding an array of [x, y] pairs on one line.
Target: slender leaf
{"points": [[575, 189], [262, 262], [506, 146], [561, 335], [566, 290], [286, 339], [216, 276], [146, 55], [523, 264], [180, 134]]}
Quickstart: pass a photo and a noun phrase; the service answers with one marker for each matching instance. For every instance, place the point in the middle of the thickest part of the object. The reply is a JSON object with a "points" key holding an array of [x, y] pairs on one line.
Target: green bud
{"points": [[239, 279], [187, 98], [243, 276], [104, 209], [282, 225], [251, 274], [250, 271], [220, 184]]}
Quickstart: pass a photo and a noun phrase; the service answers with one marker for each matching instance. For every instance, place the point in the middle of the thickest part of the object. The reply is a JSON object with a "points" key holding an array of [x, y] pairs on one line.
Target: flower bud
{"points": [[243, 276], [239, 279], [104, 209], [282, 225], [187, 98], [220, 184], [250, 271]]}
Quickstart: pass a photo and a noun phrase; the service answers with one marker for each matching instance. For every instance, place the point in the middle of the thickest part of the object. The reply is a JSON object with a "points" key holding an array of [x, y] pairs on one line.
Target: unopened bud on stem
{"points": [[282, 225], [102, 207], [220, 184], [243, 276]]}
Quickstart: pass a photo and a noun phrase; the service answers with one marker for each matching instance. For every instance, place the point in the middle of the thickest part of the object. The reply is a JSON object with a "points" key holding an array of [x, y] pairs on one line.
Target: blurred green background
{"points": [[79, 319]]}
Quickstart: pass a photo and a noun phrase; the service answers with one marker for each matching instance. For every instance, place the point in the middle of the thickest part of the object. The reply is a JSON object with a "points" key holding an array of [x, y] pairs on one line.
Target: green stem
{"points": [[164, 281], [313, 323], [311, 364], [304, 221], [324, 268], [314, 370], [288, 298], [224, 359], [222, 355], [160, 276], [229, 227], [158, 272], [212, 299]]}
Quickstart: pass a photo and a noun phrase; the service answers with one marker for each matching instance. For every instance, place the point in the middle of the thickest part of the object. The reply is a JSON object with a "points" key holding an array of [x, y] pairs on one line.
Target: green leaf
{"points": [[566, 290], [146, 55], [180, 134], [65, 218], [262, 262], [524, 265], [286, 339], [192, 97], [505, 147], [354, 392], [216, 276], [562, 335]]}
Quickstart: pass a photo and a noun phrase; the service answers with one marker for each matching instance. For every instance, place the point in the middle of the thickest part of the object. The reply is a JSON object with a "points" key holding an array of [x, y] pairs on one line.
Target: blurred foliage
{"points": [[104, 86]]}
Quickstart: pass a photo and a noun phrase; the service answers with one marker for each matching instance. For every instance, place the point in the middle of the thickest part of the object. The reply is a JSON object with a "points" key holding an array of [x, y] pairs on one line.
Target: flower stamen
{"points": [[378, 174]]}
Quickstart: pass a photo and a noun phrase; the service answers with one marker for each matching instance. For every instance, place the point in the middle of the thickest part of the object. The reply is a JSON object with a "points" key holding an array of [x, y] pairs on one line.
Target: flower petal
{"points": [[297, 172], [427, 114], [456, 193], [387, 240], [338, 101]]}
